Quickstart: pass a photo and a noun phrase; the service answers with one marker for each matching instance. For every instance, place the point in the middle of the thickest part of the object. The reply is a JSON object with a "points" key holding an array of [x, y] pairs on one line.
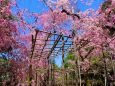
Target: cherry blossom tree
{"points": [[93, 35]]}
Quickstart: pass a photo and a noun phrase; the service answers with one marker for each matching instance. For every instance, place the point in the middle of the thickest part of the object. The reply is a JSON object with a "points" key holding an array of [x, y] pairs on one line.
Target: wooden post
{"points": [[30, 67], [36, 82], [63, 69], [77, 69], [105, 69], [52, 74], [105, 72], [66, 78], [48, 74], [32, 51]]}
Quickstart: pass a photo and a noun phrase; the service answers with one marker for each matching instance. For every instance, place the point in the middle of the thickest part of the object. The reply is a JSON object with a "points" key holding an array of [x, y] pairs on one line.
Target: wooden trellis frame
{"points": [[57, 42]]}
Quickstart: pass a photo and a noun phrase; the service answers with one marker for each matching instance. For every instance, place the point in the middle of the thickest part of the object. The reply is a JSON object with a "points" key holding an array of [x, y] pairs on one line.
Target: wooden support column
{"points": [[52, 74], [32, 51], [105, 69], [77, 69], [63, 69]]}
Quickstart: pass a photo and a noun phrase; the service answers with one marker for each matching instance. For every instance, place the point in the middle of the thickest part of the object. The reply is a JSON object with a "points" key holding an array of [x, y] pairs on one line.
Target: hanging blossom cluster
{"points": [[107, 12], [10, 37], [85, 65], [95, 36], [52, 20], [8, 29], [11, 42]]}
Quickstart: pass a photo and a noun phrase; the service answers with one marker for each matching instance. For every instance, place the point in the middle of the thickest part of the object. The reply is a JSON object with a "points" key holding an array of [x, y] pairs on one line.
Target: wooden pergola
{"points": [[54, 44]]}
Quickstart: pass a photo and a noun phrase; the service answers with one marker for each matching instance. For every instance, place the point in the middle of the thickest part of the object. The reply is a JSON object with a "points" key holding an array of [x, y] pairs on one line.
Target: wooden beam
{"points": [[49, 35], [55, 43], [53, 33]]}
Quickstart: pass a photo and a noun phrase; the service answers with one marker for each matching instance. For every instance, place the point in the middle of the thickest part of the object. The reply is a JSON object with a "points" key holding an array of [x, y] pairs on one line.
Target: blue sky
{"points": [[95, 5], [39, 7]]}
